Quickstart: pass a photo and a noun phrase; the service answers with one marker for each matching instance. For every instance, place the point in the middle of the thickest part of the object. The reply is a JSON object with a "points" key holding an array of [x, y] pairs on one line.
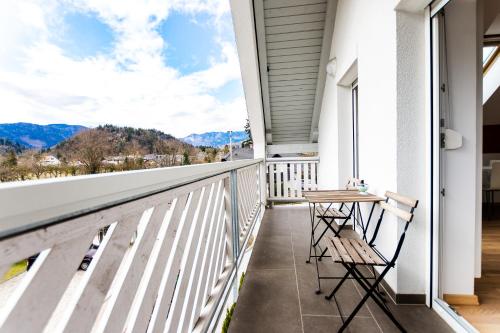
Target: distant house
{"points": [[50, 160], [114, 160], [153, 158]]}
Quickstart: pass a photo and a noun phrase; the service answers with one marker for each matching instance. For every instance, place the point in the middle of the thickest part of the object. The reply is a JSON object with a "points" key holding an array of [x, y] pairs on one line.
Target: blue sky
{"points": [[170, 65], [83, 35]]}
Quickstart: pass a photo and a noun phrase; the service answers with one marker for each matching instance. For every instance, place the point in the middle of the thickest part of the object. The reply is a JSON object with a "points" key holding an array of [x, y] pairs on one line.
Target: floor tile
{"points": [[268, 302], [272, 252], [320, 324]]}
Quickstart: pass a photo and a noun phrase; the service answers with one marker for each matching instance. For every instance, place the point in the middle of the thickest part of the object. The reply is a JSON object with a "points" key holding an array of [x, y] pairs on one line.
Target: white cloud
{"points": [[131, 86]]}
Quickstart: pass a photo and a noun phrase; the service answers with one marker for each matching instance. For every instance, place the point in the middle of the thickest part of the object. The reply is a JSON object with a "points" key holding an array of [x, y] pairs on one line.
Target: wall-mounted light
{"points": [[331, 67]]}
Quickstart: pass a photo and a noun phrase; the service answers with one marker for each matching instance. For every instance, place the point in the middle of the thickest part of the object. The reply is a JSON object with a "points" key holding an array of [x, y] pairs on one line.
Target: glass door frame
{"points": [[435, 54]]}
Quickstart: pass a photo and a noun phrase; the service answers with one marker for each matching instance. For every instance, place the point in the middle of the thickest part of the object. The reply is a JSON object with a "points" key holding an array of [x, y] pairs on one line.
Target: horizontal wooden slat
{"points": [[281, 124], [303, 113], [290, 134], [294, 64], [293, 70], [354, 254], [299, 27], [304, 139], [288, 3], [342, 197], [302, 102], [295, 57], [292, 77], [407, 216], [284, 122], [331, 212], [294, 43], [299, 109], [293, 19], [344, 255], [293, 133], [294, 36], [293, 93], [402, 199], [365, 257], [292, 83], [294, 51], [291, 119], [291, 88], [295, 10], [333, 251], [291, 128], [368, 251]]}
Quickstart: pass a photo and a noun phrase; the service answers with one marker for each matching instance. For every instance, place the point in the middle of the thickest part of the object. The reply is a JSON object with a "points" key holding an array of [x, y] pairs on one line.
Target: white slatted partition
{"points": [[288, 177], [166, 262]]}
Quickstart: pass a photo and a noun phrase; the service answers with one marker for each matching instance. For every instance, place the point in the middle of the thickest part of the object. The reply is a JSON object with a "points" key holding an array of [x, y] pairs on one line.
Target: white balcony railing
{"points": [[170, 254], [288, 177]]}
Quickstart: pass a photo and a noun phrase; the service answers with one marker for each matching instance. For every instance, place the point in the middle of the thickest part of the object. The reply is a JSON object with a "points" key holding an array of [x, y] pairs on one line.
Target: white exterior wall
{"points": [[385, 50], [412, 156]]}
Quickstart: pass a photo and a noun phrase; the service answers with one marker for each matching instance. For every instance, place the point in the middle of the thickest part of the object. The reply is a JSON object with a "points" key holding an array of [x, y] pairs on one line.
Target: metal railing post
{"points": [[233, 181], [234, 214]]}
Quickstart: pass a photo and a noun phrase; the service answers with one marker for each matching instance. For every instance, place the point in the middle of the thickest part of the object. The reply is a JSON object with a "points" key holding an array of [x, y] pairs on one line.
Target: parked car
{"points": [[84, 265]]}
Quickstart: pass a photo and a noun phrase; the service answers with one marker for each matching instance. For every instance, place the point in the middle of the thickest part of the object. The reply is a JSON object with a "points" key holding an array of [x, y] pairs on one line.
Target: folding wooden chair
{"points": [[329, 215], [354, 253]]}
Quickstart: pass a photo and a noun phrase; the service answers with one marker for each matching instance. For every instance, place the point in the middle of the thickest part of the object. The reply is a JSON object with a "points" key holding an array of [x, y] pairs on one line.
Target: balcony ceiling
{"points": [[293, 39]]}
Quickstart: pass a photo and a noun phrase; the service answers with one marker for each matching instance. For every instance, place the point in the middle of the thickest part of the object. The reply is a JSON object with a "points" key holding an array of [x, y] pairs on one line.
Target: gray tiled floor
{"points": [[278, 292]]}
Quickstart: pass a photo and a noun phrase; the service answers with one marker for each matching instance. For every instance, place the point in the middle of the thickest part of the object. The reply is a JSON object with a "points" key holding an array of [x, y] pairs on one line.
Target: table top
{"points": [[340, 196]]}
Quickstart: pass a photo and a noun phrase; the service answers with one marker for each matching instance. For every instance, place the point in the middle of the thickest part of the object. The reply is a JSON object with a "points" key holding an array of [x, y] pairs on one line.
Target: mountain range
{"points": [[34, 136], [215, 139], [38, 136]]}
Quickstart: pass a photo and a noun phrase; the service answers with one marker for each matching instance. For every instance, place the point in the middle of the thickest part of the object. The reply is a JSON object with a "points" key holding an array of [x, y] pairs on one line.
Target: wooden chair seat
{"points": [[330, 212], [353, 251]]}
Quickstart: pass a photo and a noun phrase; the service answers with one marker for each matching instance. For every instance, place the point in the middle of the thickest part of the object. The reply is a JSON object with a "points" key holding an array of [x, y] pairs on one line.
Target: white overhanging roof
{"points": [[290, 45]]}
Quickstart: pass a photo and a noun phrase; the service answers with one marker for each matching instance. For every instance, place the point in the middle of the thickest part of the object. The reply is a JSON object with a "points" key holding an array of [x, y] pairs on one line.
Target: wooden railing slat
{"points": [[88, 299], [32, 304]]}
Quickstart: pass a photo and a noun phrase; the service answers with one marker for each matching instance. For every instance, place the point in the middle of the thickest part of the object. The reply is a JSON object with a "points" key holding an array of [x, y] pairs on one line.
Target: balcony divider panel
{"points": [[291, 176]]}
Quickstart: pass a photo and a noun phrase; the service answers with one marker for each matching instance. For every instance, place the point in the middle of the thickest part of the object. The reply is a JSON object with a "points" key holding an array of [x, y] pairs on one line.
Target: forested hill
{"points": [[36, 136], [114, 140]]}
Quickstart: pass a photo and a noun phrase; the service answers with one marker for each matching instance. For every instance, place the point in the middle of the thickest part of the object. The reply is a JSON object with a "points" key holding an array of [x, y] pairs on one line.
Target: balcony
{"points": [[174, 245], [278, 292]]}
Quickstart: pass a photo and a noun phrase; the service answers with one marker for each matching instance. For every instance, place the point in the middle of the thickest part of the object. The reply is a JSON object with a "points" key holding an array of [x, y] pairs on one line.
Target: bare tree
{"points": [[91, 148]]}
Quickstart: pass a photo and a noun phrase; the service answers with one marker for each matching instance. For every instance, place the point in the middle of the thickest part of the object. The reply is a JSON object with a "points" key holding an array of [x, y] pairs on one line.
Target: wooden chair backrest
{"points": [[398, 198]]}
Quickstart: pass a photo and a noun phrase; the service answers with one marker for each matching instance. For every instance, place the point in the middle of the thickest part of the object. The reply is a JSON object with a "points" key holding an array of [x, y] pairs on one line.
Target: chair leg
{"points": [[310, 247], [381, 305], [341, 282], [323, 253], [312, 214], [318, 291], [366, 285], [368, 294]]}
